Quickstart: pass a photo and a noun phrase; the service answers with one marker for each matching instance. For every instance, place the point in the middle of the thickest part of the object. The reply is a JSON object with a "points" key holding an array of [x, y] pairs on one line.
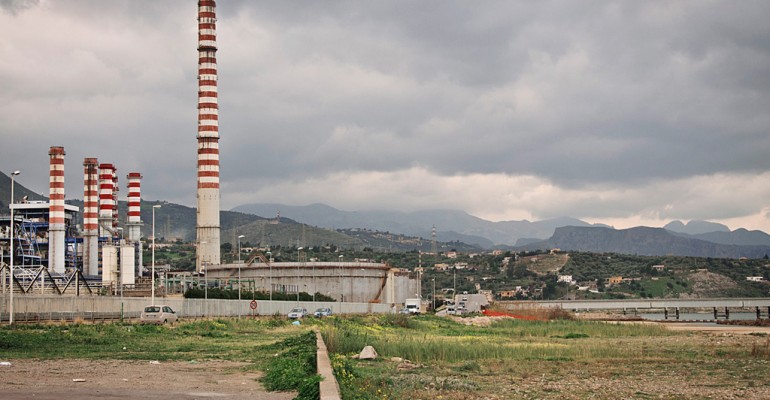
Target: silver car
{"points": [[297, 313], [158, 315], [323, 312]]}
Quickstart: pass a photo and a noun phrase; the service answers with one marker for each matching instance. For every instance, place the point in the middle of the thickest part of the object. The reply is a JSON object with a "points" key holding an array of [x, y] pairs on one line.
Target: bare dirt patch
{"points": [[118, 379], [709, 284]]}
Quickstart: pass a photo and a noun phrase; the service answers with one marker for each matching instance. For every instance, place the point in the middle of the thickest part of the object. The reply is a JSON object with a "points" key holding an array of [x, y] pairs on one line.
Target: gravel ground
{"points": [[117, 379]]}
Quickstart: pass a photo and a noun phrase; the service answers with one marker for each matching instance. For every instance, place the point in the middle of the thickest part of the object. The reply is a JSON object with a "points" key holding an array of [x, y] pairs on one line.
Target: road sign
{"points": [[253, 305]]}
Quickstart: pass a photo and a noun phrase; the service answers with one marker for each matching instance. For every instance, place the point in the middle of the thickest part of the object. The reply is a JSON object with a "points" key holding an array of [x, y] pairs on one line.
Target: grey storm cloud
{"points": [[600, 101]]}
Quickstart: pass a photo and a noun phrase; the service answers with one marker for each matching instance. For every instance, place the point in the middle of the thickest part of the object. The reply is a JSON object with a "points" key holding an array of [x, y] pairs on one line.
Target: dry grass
{"points": [[558, 359]]}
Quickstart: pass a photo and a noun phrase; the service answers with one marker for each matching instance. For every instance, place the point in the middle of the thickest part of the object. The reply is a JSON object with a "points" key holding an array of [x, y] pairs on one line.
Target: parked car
{"points": [[158, 315], [323, 312], [297, 313]]}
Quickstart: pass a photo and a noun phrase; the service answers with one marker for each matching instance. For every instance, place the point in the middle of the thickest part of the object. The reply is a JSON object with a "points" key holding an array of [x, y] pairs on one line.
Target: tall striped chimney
{"points": [[106, 199], [90, 216], [115, 190], [207, 228], [56, 228], [134, 226], [134, 222]]}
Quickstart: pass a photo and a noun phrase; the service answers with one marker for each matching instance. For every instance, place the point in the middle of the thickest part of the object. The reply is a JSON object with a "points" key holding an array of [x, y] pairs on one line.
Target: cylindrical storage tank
{"points": [[109, 265], [127, 265]]}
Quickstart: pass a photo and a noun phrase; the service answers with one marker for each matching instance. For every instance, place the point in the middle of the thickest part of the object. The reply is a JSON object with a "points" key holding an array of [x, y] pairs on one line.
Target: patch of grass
{"points": [[572, 335], [294, 367], [459, 362]]}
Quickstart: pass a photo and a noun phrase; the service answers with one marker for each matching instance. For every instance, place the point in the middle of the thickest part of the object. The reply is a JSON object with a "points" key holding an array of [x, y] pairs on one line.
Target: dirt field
{"points": [[112, 379]]}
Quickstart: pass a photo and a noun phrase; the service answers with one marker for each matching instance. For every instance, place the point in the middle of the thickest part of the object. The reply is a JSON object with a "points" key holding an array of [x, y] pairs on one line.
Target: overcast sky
{"points": [[625, 113]]}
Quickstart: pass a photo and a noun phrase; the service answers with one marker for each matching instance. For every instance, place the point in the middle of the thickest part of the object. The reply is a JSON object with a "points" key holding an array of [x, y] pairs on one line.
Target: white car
{"points": [[158, 315], [297, 313]]}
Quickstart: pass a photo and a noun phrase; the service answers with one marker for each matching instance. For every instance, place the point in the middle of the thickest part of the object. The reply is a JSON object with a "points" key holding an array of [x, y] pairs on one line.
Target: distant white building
{"points": [[755, 278], [566, 279]]}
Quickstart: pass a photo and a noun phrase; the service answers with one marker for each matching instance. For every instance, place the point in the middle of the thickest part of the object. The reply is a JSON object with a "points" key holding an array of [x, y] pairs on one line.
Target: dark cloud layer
{"points": [[600, 104]]}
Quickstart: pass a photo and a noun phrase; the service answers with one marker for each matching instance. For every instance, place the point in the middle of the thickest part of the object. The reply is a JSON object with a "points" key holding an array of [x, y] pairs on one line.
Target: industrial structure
{"points": [[353, 282], [50, 252], [207, 227], [91, 216]]}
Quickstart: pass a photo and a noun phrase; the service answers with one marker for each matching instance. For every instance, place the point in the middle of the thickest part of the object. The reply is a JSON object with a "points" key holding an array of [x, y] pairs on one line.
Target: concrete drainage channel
{"points": [[329, 389]]}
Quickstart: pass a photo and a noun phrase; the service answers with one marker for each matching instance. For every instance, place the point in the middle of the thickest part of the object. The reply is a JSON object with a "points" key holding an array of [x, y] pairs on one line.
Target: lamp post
{"points": [[270, 266], [299, 250], [342, 291], [454, 285], [239, 269], [434, 294], [153, 252], [10, 315]]}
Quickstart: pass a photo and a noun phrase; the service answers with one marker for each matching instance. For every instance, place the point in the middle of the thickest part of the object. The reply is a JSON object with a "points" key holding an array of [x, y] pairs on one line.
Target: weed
{"points": [[294, 368], [470, 366], [761, 350], [574, 336]]}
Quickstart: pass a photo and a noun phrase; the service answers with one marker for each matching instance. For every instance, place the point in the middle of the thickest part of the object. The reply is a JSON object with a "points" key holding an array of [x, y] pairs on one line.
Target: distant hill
{"points": [[451, 225], [19, 191], [641, 241], [696, 227]]}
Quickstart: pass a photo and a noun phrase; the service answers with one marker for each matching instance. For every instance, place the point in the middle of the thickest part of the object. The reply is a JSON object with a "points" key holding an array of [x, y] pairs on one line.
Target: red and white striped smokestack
{"points": [[115, 190], [90, 216], [106, 199], [134, 221], [56, 227], [207, 227]]}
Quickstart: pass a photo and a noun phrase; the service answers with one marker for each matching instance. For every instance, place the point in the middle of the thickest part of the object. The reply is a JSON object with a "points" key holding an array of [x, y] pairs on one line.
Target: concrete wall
{"points": [[46, 307]]}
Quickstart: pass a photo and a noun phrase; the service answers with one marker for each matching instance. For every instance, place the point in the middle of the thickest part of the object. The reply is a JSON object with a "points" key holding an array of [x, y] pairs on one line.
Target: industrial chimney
{"points": [[106, 199], [115, 190], [207, 227], [134, 221], [90, 216], [56, 228]]}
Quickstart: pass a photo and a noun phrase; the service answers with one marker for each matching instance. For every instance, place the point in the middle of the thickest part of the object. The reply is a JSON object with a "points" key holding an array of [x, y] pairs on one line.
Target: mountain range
{"points": [[451, 225], [326, 225], [455, 225], [643, 241]]}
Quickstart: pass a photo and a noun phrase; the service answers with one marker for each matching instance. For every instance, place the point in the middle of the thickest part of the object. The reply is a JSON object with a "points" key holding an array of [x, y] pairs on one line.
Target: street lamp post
{"points": [[454, 285], [10, 315], [239, 269], [342, 291], [153, 252], [270, 266], [299, 249], [434, 294]]}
